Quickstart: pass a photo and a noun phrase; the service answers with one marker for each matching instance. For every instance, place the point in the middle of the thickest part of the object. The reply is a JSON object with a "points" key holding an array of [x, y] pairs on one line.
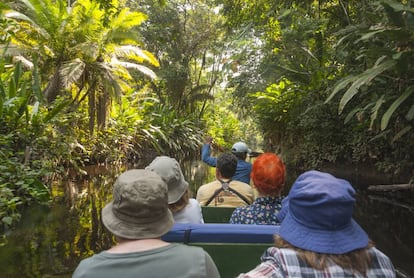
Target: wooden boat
{"points": [[235, 248]]}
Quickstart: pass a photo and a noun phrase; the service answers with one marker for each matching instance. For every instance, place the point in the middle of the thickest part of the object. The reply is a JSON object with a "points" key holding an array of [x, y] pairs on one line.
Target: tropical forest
{"points": [[327, 83]]}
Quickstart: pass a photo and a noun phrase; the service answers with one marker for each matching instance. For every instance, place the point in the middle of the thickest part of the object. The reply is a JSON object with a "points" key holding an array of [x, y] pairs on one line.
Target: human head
{"points": [[268, 174], [226, 165], [139, 208], [240, 150], [170, 171], [319, 215]]}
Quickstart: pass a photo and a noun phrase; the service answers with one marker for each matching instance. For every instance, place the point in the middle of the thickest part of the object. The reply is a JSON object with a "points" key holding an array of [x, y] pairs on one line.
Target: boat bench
{"points": [[216, 214], [235, 248]]}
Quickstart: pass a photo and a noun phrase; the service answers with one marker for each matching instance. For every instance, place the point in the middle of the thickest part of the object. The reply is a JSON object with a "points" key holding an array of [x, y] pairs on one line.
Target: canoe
{"points": [[235, 248]]}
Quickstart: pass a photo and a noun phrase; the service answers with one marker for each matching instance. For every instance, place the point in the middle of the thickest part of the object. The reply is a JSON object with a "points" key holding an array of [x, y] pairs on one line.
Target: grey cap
{"points": [[169, 170], [240, 147], [139, 208]]}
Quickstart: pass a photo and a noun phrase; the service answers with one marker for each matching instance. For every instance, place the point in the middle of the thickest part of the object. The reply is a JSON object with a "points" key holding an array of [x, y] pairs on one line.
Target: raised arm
{"points": [[205, 153]]}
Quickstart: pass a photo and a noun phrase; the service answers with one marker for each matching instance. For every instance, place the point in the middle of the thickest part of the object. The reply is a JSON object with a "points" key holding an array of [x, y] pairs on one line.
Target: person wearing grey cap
{"points": [[240, 150], [184, 208], [138, 216]]}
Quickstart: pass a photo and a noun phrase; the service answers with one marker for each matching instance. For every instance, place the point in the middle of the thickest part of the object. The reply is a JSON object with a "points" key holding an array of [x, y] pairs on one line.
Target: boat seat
{"points": [[216, 214], [235, 248], [221, 233]]}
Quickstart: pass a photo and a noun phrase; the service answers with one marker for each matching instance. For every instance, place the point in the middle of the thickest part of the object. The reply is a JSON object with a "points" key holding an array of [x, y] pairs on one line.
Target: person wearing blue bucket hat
{"points": [[318, 236]]}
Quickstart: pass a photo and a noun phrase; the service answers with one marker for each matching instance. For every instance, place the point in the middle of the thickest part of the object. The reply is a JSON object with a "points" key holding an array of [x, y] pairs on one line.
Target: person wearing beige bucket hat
{"points": [[138, 216], [184, 208]]}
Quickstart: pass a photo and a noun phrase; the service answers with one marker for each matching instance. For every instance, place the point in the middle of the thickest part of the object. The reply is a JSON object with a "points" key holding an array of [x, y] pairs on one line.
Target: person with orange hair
{"points": [[268, 176]]}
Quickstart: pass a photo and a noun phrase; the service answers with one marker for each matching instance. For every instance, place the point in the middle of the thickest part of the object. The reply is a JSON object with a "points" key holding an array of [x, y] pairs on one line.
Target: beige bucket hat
{"points": [[139, 208], [169, 169]]}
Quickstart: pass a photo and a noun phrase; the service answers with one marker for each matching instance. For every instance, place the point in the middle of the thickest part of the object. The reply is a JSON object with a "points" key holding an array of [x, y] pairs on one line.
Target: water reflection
{"points": [[390, 227], [50, 241]]}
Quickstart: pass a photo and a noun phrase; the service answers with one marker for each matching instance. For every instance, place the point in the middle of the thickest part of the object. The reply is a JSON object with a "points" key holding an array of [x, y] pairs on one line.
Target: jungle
{"points": [[98, 82]]}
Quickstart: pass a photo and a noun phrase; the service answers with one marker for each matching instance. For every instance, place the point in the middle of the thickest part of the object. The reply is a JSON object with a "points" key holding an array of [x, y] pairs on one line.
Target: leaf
{"points": [[410, 114], [19, 16], [143, 69], [363, 79], [369, 35], [58, 108], [339, 86], [7, 220], [387, 115], [397, 7], [375, 110], [394, 15], [137, 54], [71, 71], [351, 114], [35, 109], [401, 133], [17, 73]]}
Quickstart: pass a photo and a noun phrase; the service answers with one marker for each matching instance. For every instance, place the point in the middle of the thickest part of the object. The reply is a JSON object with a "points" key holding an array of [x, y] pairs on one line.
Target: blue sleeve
{"points": [[205, 156]]}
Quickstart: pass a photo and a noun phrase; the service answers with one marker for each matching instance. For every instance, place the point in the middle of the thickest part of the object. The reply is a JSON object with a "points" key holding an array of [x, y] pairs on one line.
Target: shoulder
{"points": [[380, 260], [241, 186], [272, 265], [188, 250], [193, 202], [280, 255], [244, 163], [237, 211], [87, 265], [209, 185]]}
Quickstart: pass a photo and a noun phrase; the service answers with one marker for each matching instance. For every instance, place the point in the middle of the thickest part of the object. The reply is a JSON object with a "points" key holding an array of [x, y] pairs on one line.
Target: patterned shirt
{"points": [[263, 211], [282, 262]]}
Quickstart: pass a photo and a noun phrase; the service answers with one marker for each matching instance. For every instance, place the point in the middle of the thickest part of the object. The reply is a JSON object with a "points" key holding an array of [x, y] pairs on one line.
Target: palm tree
{"points": [[83, 53]]}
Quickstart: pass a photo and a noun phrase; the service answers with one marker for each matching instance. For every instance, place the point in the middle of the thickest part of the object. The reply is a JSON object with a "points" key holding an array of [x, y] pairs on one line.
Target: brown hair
{"points": [[268, 174], [357, 260], [181, 203]]}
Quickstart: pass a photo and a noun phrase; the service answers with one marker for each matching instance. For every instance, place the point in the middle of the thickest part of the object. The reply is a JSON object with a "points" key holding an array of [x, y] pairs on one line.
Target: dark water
{"points": [[50, 241]]}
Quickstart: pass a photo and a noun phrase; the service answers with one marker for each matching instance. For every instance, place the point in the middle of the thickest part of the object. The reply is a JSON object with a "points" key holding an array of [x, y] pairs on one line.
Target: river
{"points": [[51, 240]]}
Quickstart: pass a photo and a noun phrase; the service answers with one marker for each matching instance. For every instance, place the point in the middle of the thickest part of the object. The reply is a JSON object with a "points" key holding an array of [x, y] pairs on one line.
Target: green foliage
{"points": [[21, 180], [189, 59], [82, 52], [19, 186], [359, 49], [384, 89], [170, 133], [274, 109]]}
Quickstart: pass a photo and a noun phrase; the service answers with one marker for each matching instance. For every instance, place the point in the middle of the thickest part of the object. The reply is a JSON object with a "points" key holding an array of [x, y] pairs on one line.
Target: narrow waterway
{"points": [[50, 241]]}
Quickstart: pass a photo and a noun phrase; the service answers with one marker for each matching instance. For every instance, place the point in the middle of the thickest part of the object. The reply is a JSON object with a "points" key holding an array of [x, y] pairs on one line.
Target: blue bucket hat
{"points": [[319, 215]]}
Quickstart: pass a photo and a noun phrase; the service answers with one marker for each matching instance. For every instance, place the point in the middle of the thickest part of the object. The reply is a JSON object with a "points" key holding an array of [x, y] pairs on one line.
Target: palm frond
{"points": [[25, 62], [143, 69], [71, 71], [135, 53], [21, 17], [127, 19]]}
